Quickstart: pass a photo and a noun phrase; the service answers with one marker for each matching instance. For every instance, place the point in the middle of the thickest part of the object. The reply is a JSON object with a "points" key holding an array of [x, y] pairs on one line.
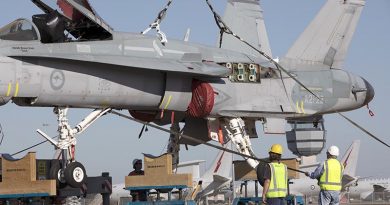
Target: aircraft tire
{"points": [[75, 174], [55, 173]]}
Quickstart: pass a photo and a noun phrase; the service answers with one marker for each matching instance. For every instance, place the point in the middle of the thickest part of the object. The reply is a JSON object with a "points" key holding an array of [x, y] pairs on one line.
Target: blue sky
{"points": [[111, 143]]}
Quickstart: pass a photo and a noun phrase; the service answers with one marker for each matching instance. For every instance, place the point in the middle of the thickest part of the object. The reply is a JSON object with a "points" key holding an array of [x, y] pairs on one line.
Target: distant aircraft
{"points": [[71, 58], [370, 189]]}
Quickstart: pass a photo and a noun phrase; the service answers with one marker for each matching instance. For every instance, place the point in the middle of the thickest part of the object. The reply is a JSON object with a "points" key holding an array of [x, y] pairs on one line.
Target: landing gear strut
{"points": [[70, 171], [235, 127], [173, 145]]}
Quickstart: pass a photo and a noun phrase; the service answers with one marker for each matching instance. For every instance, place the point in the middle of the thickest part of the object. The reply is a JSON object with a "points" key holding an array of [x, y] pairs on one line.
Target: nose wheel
{"points": [[57, 173], [67, 171], [75, 174]]}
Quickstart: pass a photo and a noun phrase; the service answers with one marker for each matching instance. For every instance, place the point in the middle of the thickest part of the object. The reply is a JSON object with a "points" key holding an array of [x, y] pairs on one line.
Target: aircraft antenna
{"points": [[156, 24], [225, 29]]}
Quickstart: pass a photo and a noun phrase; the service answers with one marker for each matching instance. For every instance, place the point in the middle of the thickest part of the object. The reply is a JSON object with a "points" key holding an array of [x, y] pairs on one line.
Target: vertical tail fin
{"points": [[221, 166], [350, 159], [245, 18], [324, 43]]}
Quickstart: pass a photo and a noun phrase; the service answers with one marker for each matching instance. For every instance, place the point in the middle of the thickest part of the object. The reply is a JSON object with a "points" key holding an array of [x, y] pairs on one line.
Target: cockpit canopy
{"points": [[20, 30], [62, 21], [70, 20]]}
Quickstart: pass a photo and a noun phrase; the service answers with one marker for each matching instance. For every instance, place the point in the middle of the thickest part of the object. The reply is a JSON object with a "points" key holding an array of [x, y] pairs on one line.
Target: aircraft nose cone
{"points": [[370, 93]]}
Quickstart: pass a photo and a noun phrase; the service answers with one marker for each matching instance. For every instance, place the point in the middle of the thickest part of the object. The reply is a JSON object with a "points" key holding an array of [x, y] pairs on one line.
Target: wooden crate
{"points": [[158, 172], [19, 178], [244, 172]]}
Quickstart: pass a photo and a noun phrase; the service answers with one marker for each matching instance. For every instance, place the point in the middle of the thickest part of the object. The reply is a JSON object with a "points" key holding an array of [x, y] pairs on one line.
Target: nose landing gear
{"points": [[68, 171]]}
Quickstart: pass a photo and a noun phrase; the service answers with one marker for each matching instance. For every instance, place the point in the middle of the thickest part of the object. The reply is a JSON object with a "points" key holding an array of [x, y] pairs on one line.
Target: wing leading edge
{"points": [[128, 62]]}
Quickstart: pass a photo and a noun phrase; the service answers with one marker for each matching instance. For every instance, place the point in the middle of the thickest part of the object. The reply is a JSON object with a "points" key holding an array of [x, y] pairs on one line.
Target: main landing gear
{"points": [[235, 131], [235, 128]]}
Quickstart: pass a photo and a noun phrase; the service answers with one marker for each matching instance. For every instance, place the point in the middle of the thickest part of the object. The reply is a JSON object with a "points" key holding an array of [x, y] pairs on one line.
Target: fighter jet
{"points": [[71, 58]]}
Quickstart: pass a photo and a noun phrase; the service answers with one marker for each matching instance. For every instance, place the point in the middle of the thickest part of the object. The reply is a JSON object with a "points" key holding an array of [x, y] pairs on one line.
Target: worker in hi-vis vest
{"points": [[329, 175], [275, 178]]}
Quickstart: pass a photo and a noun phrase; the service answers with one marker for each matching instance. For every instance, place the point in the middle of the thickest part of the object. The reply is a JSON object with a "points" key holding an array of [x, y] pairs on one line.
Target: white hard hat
{"points": [[333, 150], [136, 160]]}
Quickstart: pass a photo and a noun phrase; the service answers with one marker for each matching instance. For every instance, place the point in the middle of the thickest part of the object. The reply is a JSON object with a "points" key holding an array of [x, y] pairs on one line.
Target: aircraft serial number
{"points": [[311, 99]]}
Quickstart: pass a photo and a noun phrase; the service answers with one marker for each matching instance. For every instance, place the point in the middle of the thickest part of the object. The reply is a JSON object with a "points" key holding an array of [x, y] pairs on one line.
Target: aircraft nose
{"points": [[370, 93]]}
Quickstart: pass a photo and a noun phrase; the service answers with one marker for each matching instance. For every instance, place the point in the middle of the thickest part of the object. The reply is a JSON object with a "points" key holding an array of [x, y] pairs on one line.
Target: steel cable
{"points": [[224, 28], [195, 139]]}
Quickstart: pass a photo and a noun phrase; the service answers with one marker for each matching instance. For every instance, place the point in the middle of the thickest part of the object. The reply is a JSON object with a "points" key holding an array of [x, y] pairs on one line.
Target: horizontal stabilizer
{"points": [[192, 167], [220, 179], [191, 163]]}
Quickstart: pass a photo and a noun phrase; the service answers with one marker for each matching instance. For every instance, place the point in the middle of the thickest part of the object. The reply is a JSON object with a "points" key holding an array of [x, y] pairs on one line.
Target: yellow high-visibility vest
{"points": [[278, 183], [330, 179]]}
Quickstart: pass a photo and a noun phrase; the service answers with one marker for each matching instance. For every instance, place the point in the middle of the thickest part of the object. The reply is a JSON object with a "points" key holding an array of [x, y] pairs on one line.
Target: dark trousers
{"points": [[276, 201]]}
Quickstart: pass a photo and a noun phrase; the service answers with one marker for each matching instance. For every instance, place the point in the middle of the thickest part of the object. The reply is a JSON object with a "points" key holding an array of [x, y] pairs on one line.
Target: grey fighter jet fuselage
{"points": [[76, 60], [137, 72]]}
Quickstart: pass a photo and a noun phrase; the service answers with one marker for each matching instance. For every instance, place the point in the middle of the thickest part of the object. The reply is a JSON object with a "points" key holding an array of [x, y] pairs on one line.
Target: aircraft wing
{"points": [[129, 62]]}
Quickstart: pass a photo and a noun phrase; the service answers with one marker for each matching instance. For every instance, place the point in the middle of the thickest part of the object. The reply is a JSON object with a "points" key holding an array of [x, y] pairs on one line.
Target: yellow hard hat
{"points": [[277, 149]]}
